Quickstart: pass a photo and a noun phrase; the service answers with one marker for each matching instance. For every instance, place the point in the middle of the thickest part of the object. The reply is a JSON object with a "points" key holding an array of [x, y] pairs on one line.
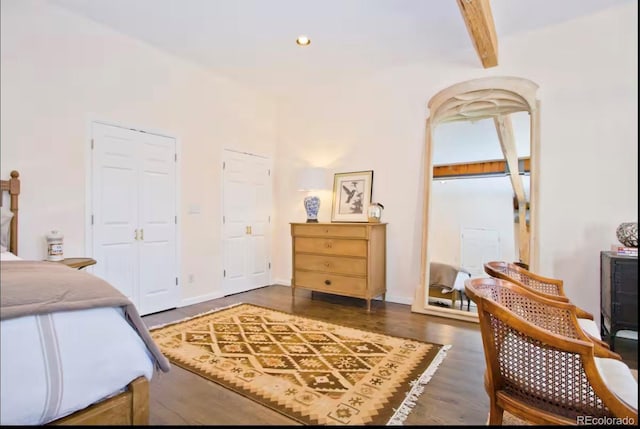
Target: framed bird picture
{"points": [[351, 196]]}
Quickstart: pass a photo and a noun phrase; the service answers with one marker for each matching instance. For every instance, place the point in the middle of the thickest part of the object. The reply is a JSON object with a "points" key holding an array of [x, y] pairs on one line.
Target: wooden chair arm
{"points": [[583, 314], [602, 350], [600, 342]]}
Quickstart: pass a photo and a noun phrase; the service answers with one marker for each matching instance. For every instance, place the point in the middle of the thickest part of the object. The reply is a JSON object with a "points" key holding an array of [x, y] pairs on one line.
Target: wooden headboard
{"points": [[12, 186]]}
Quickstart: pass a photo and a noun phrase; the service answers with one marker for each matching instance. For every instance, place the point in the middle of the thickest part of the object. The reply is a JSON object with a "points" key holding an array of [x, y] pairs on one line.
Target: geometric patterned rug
{"points": [[314, 372]]}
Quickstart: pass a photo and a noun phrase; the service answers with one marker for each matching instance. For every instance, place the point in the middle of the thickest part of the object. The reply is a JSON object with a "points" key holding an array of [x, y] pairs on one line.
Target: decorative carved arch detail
{"points": [[483, 98]]}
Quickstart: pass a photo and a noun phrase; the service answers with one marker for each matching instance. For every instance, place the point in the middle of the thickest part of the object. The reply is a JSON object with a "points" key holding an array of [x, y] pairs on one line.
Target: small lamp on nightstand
{"points": [[311, 179]]}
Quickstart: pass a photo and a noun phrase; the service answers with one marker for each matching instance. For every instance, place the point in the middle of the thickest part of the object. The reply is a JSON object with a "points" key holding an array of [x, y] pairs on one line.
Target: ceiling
{"points": [[253, 41]]}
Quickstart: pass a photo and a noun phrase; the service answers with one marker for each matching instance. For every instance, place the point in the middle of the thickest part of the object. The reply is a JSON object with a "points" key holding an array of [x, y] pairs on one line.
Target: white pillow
{"points": [[5, 221]]}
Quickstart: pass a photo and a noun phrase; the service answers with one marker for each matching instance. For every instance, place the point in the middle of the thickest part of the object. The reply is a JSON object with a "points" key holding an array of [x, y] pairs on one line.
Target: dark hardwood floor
{"points": [[454, 396]]}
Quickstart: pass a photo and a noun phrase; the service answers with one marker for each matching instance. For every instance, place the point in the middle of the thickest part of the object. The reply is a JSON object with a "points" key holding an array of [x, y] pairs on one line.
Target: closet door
{"points": [[246, 219], [157, 223], [134, 215], [115, 207]]}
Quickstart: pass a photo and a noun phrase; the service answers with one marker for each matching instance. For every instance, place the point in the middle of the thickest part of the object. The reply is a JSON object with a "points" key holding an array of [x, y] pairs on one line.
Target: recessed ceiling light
{"points": [[303, 41]]}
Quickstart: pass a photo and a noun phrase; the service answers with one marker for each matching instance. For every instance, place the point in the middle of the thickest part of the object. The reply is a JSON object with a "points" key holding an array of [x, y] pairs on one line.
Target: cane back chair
{"points": [[544, 286], [541, 366]]}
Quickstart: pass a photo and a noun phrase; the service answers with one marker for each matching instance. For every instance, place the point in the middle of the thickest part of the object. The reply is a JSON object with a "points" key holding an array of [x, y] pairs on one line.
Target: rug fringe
{"points": [[196, 315], [417, 388]]}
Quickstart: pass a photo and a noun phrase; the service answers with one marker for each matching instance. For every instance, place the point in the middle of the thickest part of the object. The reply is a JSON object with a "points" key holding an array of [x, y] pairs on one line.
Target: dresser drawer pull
{"points": [[327, 282], [328, 245], [327, 264]]}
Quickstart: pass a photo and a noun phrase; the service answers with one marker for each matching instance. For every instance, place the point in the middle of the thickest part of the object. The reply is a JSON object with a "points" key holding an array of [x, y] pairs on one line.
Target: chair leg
{"points": [[495, 414]]}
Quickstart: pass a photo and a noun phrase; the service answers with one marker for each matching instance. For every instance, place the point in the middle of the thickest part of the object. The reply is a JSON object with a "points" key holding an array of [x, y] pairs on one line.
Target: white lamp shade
{"points": [[311, 179]]}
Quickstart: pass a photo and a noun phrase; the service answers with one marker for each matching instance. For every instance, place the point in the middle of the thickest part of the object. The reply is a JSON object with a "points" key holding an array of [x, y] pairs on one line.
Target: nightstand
{"points": [[78, 263]]}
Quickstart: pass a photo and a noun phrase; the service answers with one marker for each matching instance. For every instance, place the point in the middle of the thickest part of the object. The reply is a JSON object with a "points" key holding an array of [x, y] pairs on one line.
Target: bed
{"points": [[447, 282], [73, 350]]}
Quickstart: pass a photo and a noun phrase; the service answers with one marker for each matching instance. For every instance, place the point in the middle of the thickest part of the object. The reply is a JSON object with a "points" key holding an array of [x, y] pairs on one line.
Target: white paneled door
{"points": [[479, 246], [245, 222], [134, 223]]}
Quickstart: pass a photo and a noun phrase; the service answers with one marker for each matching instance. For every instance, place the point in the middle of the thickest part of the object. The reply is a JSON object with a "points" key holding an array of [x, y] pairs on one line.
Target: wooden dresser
{"points": [[340, 258]]}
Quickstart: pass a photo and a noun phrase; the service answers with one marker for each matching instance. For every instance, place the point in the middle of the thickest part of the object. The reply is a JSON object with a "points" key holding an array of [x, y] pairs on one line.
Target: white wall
{"points": [[59, 71], [485, 203], [587, 72]]}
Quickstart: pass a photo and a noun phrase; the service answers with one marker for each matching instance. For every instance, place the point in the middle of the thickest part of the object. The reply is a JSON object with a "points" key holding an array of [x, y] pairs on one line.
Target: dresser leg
{"points": [[369, 305]]}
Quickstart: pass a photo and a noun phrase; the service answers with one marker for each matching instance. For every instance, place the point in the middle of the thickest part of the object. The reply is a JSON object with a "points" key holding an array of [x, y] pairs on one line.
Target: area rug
{"points": [[314, 372]]}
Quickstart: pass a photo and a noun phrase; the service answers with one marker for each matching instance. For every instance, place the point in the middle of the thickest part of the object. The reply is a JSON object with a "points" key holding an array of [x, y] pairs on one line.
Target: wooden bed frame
{"points": [[12, 186], [131, 407]]}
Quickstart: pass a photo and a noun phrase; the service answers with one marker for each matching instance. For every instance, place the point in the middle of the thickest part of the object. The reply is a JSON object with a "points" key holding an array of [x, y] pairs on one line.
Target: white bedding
{"points": [[55, 364], [8, 256], [459, 282]]}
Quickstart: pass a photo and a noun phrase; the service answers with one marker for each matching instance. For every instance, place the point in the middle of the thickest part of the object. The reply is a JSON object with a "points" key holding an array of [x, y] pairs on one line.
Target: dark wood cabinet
{"points": [[618, 294]]}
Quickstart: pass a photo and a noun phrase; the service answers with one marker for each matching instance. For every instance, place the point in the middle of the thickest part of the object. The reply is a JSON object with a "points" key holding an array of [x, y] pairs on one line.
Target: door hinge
{"points": [[224, 164], [92, 144], [269, 219], [176, 219], [91, 219], [175, 157], [176, 281], [269, 265], [223, 219], [224, 273], [269, 172]]}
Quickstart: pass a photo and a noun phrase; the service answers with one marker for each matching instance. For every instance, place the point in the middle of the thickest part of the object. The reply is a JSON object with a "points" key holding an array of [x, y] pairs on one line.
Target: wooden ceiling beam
{"points": [[494, 167], [479, 21], [504, 126]]}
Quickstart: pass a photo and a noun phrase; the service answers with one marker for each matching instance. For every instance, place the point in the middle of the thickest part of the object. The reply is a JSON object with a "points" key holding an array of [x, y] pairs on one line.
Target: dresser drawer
{"points": [[332, 264], [331, 283], [331, 246], [350, 231]]}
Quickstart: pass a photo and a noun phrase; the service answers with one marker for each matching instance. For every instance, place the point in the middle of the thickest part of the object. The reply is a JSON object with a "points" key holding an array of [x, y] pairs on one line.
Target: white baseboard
{"points": [[200, 298], [399, 299], [282, 282]]}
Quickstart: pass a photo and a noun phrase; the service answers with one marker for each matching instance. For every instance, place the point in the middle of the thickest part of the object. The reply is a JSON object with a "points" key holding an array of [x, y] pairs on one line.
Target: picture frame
{"points": [[351, 196]]}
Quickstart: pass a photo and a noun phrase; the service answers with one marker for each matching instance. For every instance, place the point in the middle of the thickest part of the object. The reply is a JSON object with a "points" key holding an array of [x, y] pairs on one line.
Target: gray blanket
{"points": [[38, 287], [443, 275]]}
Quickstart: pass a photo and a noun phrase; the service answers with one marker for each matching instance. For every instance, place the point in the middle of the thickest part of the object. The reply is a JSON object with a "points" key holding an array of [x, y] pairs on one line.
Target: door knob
{"points": [[141, 233], [135, 237]]}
